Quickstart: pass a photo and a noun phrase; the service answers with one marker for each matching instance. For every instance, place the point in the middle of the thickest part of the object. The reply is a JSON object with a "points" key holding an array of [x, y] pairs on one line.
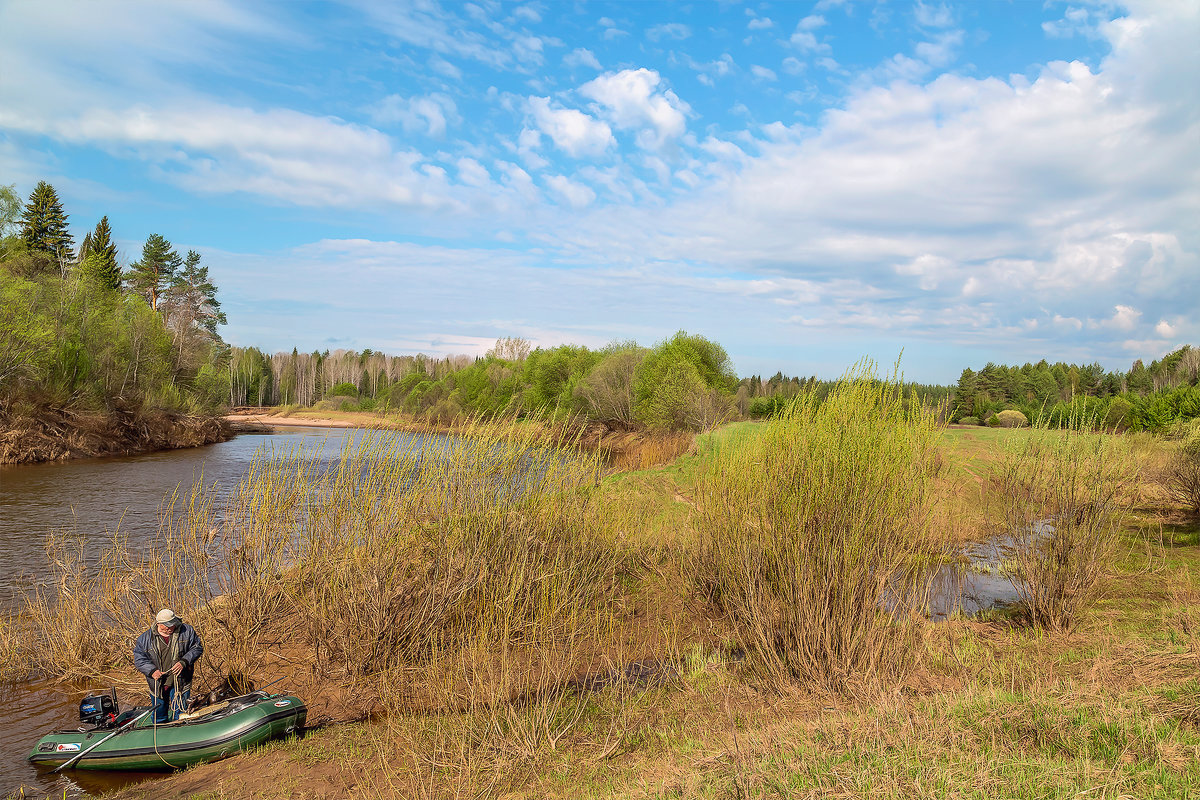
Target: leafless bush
{"points": [[1061, 495]]}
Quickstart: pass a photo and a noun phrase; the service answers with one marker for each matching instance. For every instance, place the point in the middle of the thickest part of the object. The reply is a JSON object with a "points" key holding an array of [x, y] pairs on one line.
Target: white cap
{"points": [[167, 617]]}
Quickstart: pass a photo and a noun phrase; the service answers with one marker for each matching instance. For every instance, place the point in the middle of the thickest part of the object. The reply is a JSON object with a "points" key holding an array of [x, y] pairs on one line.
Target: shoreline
{"points": [[63, 435], [256, 421]]}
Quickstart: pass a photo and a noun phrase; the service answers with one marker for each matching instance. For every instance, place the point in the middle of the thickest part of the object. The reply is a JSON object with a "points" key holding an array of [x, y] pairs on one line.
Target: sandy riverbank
{"points": [[269, 421]]}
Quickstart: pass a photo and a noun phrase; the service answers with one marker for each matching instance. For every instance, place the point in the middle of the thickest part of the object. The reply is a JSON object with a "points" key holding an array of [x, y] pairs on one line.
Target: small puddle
{"points": [[976, 582]]}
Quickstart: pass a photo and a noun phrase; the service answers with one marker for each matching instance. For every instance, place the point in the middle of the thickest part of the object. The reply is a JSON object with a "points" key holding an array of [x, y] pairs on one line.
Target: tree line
{"points": [[80, 332], [685, 382], [1151, 398]]}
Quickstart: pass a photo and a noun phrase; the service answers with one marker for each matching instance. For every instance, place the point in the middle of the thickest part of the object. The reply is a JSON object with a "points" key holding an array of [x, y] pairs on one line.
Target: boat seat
{"points": [[204, 711]]}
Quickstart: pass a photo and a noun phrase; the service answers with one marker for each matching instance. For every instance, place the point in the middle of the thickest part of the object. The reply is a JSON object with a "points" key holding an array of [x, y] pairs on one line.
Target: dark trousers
{"points": [[170, 704]]}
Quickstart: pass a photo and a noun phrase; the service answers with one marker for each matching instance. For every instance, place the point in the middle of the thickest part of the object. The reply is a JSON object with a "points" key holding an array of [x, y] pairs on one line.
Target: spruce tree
{"points": [[103, 265], [85, 247], [44, 225], [152, 274]]}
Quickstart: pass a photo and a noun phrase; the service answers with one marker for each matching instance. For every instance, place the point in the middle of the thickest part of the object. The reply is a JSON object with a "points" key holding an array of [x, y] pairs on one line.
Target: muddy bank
{"points": [[57, 435]]}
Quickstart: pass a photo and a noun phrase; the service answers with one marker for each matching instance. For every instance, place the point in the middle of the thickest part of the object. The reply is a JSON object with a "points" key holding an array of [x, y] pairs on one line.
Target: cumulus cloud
{"points": [[576, 194], [1074, 189], [762, 73], [572, 131], [424, 114], [929, 16], [633, 100], [581, 57], [804, 37], [670, 30]]}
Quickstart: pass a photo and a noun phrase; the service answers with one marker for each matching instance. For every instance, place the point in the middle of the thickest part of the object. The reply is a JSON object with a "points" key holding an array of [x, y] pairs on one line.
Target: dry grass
{"points": [[466, 575]]}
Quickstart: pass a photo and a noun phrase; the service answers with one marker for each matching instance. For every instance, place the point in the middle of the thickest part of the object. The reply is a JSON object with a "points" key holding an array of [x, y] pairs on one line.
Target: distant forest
{"points": [[1151, 398], [687, 382]]}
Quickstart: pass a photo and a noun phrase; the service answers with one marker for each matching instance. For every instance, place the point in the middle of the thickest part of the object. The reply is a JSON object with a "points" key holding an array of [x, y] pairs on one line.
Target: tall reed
{"points": [[1063, 502], [818, 525], [447, 572]]}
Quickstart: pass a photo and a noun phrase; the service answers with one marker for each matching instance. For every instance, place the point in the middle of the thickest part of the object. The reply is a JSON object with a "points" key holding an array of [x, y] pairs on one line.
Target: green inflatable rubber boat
{"points": [[130, 740]]}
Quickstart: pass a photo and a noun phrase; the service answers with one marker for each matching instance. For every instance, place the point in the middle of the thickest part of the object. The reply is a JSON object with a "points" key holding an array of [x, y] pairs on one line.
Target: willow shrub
{"points": [[818, 537], [1063, 498]]}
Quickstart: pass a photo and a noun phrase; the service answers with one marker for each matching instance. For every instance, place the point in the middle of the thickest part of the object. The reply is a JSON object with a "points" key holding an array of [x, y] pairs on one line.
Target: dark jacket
{"points": [[190, 651]]}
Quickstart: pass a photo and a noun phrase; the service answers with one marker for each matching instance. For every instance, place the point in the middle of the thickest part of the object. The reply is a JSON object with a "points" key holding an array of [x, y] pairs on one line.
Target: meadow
{"points": [[520, 619]]}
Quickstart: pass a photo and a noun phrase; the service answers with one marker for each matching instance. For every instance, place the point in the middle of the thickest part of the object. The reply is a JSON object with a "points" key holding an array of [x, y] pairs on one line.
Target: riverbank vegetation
{"points": [[95, 360], [501, 618]]}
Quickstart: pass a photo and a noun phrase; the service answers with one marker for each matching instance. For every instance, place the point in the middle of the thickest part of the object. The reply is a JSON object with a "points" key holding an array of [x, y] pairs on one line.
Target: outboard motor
{"points": [[99, 709]]}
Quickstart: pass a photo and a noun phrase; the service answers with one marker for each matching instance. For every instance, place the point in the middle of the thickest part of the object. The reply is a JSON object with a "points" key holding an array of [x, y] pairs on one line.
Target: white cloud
{"points": [[762, 73], [581, 57], [1075, 188], [792, 65], [472, 173], [760, 24], [669, 30], [1165, 329], [574, 132], [941, 50], [804, 37], [576, 194], [1074, 21], [929, 16], [632, 100], [427, 114], [1067, 322], [1124, 318]]}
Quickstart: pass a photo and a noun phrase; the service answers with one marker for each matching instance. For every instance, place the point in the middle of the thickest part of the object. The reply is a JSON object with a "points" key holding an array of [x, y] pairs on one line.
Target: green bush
{"points": [[969, 421], [1011, 418], [338, 403], [686, 383], [813, 524], [344, 389]]}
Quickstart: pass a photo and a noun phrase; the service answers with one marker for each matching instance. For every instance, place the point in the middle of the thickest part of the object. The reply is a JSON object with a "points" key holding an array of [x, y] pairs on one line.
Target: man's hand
{"points": [[157, 673], [178, 668]]}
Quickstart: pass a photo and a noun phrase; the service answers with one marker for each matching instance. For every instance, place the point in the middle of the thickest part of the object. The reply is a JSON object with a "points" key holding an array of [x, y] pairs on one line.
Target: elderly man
{"points": [[167, 655]]}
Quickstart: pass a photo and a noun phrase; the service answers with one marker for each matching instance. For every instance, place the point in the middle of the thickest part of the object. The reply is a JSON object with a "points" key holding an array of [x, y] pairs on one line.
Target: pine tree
{"points": [[44, 226], [152, 274], [85, 248], [190, 302], [100, 258]]}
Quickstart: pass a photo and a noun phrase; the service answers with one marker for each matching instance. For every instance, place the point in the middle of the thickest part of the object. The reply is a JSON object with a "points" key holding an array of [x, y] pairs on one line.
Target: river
{"points": [[93, 497]]}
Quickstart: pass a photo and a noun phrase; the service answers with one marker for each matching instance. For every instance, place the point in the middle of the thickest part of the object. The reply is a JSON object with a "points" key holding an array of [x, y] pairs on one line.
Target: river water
{"points": [[92, 498]]}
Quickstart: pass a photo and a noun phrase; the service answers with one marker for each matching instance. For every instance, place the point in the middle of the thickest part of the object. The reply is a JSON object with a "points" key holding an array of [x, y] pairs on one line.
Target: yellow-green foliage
{"points": [[72, 343], [819, 523]]}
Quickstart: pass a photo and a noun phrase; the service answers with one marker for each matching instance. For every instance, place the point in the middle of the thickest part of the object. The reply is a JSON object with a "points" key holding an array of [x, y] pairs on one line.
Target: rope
{"points": [[157, 699]]}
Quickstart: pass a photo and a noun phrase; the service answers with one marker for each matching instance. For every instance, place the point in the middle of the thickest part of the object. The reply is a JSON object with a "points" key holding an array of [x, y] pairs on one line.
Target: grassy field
{"points": [[647, 684]]}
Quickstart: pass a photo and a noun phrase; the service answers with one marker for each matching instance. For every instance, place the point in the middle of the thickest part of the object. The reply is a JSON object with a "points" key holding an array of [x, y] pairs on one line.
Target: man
{"points": [[167, 655]]}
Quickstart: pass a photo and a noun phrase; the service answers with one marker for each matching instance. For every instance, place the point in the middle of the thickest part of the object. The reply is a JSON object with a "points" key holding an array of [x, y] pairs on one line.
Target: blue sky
{"points": [[806, 183]]}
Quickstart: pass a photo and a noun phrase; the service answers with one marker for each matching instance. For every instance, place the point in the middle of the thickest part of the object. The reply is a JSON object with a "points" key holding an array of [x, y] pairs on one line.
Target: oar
{"points": [[66, 764]]}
